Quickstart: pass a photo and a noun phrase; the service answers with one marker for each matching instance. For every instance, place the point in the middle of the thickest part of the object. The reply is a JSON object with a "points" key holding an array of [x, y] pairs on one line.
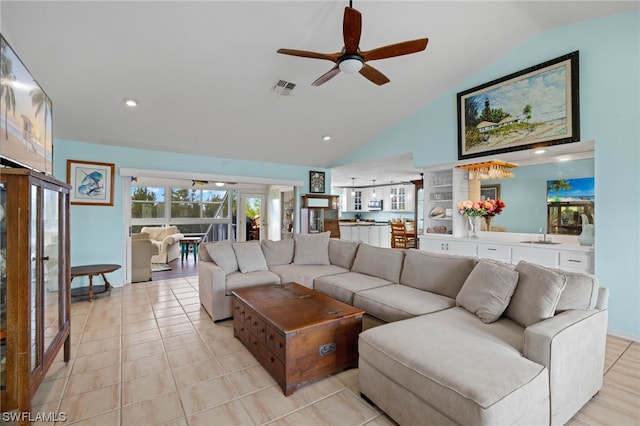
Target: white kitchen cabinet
{"points": [[400, 198], [374, 238], [384, 236], [345, 232], [362, 233], [564, 256]]}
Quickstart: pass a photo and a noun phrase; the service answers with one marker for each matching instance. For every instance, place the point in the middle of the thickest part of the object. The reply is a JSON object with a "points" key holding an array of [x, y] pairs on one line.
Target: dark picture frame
{"points": [[316, 182], [92, 182], [533, 108], [490, 191]]}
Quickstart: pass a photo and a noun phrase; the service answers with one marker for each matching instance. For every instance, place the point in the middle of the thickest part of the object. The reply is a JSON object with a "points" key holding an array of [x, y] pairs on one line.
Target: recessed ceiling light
{"points": [[326, 138], [219, 184], [130, 102], [539, 151]]}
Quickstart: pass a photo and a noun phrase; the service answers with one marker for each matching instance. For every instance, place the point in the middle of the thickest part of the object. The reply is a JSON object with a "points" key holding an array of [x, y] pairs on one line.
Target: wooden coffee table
{"points": [[297, 334]]}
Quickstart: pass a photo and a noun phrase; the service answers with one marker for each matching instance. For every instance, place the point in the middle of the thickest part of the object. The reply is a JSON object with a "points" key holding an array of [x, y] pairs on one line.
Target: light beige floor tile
{"points": [[344, 408], [176, 329], [231, 413], [598, 413], [192, 307], [624, 377], [97, 346], [169, 312], [139, 316], [58, 370], [303, 416], [101, 333], [158, 306], [135, 327], [162, 410], [111, 418], [142, 350], [205, 395], [46, 414], [320, 389], [92, 380], [95, 361], [179, 342], [91, 404], [251, 380], [144, 366], [189, 354], [237, 360], [162, 297], [193, 373], [172, 320], [270, 404], [49, 391], [147, 387], [618, 399], [140, 337], [381, 420]]}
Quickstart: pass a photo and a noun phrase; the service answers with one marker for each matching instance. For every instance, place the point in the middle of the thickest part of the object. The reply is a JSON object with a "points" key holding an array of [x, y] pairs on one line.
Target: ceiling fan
{"points": [[351, 59]]}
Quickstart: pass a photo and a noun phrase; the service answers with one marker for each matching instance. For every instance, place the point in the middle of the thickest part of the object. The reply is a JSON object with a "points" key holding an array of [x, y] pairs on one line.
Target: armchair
{"points": [[142, 250], [167, 239]]}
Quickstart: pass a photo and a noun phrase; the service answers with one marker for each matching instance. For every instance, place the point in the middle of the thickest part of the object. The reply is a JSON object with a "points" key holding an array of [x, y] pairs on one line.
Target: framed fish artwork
{"points": [[92, 182]]}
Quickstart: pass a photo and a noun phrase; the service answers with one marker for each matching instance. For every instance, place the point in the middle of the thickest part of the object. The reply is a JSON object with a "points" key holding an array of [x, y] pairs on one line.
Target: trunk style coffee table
{"points": [[297, 334]]}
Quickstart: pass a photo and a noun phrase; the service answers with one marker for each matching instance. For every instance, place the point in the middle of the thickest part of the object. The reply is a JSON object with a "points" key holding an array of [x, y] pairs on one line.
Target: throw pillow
{"points": [[312, 249], [278, 252], [250, 257], [342, 252], [223, 255], [488, 289], [536, 295]]}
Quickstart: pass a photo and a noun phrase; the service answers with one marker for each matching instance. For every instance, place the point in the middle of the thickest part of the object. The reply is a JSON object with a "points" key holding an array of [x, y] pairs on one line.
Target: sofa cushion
{"points": [[305, 274], [438, 273], [581, 292], [384, 263], [237, 280], [223, 255], [342, 252], [203, 253], [159, 233], [312, 249], [250, 256], [140, 236], [344, 286], [536, 295], [436, 357], [278, 252], [488, 289], [396, 302]]}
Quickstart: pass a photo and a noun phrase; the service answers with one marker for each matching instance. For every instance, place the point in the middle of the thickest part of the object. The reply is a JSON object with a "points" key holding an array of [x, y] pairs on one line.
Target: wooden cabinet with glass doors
{"points": [[34, 282], [319, 213]]}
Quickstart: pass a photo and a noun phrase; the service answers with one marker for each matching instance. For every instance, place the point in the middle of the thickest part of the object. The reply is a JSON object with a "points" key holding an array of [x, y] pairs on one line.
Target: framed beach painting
{"points": [[532, 108], [92, 182]]}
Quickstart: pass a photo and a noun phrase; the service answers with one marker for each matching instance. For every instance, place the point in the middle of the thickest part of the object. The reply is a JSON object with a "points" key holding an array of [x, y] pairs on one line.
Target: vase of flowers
{"points": [[495, 209], [474, 211]]}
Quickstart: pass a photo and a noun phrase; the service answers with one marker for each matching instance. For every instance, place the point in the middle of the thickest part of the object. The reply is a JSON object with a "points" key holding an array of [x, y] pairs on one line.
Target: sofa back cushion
{"points": [[581, 292], [140, 236], [536, 295], [385, 263], [342, 252], [222, 254], [250, 256], [488, 289], [278, 252], [311, 249], [442, 274]]}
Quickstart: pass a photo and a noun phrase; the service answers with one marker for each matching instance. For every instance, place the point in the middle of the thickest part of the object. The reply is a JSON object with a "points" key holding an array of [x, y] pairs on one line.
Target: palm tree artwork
{"points": [[6, 86], [42, 104], [557, 186]]}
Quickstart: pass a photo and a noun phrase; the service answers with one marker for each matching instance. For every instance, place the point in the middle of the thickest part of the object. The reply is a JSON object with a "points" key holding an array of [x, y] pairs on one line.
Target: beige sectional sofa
{"points": [[464, 341]]}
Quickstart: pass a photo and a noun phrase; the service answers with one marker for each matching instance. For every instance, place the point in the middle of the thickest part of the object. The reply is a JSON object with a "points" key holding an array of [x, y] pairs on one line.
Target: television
{"points": [[26, 122]]}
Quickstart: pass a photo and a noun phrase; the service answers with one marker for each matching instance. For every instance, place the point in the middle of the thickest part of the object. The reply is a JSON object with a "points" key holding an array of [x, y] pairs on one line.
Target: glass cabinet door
{"points": [[35, 296], [3, 286], [50, 261], [316, 220]]}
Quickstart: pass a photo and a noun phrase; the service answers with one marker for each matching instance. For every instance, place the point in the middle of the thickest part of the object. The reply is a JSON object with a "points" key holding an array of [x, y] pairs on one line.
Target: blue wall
{"points": [[98, 232], [610, 110]]}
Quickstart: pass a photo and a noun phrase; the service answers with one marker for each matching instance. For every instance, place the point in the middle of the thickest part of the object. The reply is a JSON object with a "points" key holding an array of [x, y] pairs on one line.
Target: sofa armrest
{"points": [[171, 239], [572, 347], [211, 289]]}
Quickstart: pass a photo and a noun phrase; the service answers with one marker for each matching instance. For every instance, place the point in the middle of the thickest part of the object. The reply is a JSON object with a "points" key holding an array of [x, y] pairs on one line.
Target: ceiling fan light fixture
{"points": [[351, 64]]}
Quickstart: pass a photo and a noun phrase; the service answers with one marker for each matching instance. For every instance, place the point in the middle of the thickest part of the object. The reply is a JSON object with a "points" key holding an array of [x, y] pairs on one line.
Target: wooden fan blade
{"points": [[326, 76], [351, 30], [398, 49], [314, 55], [373, 75]]}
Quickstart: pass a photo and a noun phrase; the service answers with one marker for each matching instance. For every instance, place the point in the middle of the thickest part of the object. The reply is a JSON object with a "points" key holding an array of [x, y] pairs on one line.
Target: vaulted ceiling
{"points": [[203, 72]]}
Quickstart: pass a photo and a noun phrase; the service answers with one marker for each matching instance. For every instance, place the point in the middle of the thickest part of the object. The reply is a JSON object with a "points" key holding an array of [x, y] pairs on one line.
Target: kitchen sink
{"points": [[540, 242]]}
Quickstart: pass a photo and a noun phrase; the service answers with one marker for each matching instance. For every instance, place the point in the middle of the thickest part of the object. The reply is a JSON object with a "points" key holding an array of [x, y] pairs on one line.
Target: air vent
{"points": [[283, 88]]}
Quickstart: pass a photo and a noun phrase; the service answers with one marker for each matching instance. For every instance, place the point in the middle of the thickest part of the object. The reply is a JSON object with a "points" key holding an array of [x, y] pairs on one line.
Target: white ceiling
{"points": [[203, 71]]}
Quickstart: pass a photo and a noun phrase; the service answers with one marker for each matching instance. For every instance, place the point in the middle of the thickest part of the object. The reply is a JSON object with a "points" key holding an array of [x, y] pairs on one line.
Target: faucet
{"points": [[544, 236]]}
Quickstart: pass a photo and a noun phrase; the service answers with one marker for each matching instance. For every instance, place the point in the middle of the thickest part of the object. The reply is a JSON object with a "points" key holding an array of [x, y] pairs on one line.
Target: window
{"points": [[147, 202]]}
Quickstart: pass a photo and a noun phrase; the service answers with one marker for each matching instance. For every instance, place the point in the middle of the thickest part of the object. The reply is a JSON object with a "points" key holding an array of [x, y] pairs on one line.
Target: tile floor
{"points": [[147, 354]]}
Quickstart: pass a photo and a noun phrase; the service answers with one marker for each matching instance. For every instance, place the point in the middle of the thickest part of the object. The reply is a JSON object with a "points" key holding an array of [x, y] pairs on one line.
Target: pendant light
{"points": [[374, 189], [353, 187]]}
